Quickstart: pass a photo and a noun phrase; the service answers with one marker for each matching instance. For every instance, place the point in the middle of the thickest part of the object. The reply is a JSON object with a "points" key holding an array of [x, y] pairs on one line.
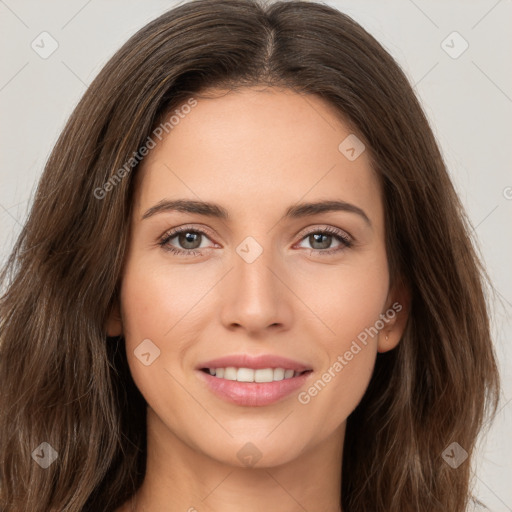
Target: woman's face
{"points": [[261, 282]]}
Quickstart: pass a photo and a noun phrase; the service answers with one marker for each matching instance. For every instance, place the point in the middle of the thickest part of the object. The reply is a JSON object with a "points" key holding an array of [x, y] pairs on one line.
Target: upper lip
{"points": [[255, 362]]}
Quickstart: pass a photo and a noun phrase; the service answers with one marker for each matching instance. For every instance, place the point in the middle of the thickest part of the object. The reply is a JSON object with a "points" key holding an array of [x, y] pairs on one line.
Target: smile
{"points": [[251, 387]]}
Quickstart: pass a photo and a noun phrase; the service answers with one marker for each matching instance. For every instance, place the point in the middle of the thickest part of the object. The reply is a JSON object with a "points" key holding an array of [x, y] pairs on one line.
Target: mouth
{"points": [[251, 381]]}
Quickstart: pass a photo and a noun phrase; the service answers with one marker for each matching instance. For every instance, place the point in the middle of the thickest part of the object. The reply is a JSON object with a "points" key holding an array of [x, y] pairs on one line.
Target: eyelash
{"points": [[345, 240]]}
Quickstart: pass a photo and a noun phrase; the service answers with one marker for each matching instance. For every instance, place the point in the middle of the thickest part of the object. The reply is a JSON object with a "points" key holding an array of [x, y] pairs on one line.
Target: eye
{"points": [[321, 240], [189, 239]]}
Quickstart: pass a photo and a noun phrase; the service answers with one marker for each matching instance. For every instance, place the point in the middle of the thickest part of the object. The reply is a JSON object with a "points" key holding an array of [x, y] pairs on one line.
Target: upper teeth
{"points": [[251, 375]]}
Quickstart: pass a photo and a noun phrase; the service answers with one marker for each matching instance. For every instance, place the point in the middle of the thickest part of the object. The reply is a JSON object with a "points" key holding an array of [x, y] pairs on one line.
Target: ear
{"points": [[114, 324], [395, 315]]}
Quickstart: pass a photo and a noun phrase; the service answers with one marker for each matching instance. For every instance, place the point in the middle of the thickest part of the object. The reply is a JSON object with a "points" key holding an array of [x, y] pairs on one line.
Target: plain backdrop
{"points": [[463, 80]]}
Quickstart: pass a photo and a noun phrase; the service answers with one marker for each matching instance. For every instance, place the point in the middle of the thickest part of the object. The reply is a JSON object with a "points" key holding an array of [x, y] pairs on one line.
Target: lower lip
{"points": [[253, 394]]}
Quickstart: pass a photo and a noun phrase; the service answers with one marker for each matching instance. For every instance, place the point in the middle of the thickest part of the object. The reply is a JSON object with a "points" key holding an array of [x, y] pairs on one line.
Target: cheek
{"points": [[347, 301], [164, 304], [150, 307], [349, 348], [345, 298], [337, 390], [155, 303]]}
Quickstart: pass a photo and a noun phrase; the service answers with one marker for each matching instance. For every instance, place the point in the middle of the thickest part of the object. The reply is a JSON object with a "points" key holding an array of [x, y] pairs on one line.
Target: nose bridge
{"points": [[254, 297]]}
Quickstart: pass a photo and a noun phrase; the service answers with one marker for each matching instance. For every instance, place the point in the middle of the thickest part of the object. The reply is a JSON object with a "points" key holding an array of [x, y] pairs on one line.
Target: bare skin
{"points": [[255, 152]]}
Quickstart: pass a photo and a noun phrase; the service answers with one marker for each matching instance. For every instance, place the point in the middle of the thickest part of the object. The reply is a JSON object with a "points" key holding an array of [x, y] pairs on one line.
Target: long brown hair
{"points": [[65, 383]]}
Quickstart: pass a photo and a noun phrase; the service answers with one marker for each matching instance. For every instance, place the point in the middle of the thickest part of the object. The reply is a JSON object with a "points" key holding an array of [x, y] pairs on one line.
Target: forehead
{"points": [[256, 151]]}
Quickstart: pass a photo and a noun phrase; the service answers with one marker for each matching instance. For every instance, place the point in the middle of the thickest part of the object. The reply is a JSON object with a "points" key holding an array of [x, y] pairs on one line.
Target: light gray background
{"points": [[468, 100]]}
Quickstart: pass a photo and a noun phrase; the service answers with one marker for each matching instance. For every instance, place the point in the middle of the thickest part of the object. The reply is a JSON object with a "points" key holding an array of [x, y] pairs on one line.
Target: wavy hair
{"points": [[66, 383]]}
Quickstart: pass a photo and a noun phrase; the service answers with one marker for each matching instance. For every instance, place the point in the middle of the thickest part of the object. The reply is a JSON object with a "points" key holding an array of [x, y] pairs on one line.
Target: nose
{"points": [[255, 296]]}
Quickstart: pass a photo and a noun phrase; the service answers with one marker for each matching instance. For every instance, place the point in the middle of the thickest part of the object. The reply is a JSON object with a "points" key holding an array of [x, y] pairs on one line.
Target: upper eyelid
{"points": [[330, 229], [176, 231]]}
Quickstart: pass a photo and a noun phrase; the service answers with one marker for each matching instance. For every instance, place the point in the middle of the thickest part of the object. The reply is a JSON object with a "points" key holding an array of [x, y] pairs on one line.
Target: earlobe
{"points": [[397, 314], [114, 324], [388, 341]]}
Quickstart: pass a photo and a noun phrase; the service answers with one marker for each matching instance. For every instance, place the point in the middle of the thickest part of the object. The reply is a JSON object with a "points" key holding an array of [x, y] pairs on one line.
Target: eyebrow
{"points": [[214, 210]]}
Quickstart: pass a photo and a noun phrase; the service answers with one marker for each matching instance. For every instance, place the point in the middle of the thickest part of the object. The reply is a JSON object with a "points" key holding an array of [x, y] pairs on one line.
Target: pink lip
{"points": [[253, 393], [255, 362]]}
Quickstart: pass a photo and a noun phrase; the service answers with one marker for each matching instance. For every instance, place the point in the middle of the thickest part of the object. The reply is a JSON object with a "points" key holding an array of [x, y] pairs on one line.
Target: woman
{"points": [[246, 281]]}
